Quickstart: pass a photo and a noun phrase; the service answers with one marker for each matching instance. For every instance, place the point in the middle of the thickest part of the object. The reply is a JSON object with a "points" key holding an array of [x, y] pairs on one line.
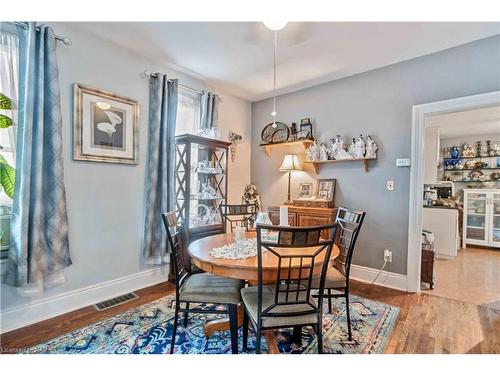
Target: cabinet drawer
{"points": [[311, 221]]}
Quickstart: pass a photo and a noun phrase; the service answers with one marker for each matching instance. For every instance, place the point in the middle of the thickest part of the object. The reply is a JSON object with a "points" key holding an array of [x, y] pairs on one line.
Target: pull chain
{"points": [[273, 113]]}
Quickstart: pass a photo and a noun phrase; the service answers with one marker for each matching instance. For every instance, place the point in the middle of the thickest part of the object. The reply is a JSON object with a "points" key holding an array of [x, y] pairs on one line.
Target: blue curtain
{"points": [[209, 110], [159, 195], [39, 228]]}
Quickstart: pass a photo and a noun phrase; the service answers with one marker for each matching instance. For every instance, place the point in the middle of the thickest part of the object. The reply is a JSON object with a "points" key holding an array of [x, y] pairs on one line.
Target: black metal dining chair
{"points": [[238, 215], [337, 278], [197, 288], [300, 253]]}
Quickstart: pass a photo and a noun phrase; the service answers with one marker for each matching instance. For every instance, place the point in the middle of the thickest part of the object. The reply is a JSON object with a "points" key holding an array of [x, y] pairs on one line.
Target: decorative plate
{"points": [[274, 133]]}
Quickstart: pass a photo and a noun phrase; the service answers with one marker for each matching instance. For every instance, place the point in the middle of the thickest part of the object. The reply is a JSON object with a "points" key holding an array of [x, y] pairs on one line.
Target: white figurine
{"points": [[323, 152], [309, 154], [359, 147], [337, 150], [314, 152], [371, 148], [352, 148]]}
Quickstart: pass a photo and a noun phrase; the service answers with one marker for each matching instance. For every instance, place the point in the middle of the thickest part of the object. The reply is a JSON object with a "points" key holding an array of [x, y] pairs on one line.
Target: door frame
{"points": [[419, 112]]}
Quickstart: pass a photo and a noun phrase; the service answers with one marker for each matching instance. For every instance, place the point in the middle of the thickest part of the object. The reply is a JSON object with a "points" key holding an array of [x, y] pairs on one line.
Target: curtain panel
{"points": [[209, 110], [159, 193], [39, 248]]}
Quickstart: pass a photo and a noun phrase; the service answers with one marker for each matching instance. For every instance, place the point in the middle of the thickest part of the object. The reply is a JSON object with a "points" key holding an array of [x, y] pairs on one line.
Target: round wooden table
{"points": [[241, 269]]}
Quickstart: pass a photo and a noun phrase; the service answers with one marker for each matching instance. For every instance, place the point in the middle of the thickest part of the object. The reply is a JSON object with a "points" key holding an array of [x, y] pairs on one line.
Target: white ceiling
{"points": [[467, 123], [237, 57]]}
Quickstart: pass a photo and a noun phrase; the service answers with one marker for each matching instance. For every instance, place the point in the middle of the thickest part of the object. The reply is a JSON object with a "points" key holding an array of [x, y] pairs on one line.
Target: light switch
{"points": [[403, 162], [390, 185]]}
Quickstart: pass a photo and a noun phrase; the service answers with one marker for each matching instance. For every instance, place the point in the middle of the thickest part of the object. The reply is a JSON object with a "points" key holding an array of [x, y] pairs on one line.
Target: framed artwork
{"points": [[305, 190], [326, 189], [105, 126], [306, 129]]}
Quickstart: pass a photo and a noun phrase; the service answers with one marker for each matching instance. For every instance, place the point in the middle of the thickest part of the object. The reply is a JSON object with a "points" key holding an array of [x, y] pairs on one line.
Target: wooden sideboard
{"points": [[304, 216]]}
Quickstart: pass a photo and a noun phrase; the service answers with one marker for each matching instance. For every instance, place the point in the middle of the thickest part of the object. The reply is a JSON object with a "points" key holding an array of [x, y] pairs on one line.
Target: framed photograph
{"points": [[305, 190], [326, 189], [105, 126], [306, 128]]}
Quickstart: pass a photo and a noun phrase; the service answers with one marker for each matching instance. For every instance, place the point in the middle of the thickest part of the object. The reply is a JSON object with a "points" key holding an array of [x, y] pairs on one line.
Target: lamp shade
{"points": [[290, 163]]}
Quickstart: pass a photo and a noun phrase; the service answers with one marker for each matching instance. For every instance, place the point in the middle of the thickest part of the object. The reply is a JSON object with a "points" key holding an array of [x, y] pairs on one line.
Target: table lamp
{"points": [[290, 164]]}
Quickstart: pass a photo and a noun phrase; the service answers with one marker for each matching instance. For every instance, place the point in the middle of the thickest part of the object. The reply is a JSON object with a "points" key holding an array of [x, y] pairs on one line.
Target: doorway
{"points": [[421, 114]]}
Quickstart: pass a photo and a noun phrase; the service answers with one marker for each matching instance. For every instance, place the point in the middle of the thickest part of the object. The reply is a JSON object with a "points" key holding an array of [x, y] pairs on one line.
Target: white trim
{"points": [[416, 173], [388, 279], [47, 308]]}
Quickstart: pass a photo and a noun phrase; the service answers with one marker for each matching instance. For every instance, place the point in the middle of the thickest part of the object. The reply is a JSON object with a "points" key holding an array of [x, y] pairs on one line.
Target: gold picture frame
{"points": [[105, 126]]}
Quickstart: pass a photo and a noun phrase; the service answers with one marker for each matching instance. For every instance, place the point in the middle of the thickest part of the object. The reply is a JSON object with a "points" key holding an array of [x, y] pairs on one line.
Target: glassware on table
{"points": [[263, 218], [239, 234]]}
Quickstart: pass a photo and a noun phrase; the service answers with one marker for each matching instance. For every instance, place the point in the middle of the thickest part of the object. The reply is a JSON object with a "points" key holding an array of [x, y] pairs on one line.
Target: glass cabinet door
{"points": [[495, 227], [208, 185], [476, 216]]}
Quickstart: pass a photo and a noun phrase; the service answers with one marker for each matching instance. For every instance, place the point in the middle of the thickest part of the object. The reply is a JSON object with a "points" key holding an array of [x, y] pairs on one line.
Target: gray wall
{"points": [[105, 201], [378, 103]]}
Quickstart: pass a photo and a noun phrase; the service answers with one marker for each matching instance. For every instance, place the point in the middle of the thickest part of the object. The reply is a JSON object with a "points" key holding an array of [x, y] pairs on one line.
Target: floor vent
{"points": [[104, 305]]}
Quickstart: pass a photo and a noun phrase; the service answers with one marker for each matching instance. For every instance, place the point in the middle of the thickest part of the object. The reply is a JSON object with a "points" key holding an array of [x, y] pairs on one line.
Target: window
{"points": [[8, 119], [188, 113]]}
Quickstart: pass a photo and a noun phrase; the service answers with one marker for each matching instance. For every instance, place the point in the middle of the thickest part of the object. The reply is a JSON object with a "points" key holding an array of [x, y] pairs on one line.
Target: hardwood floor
{"points": [[472, 276], [426, 323]]}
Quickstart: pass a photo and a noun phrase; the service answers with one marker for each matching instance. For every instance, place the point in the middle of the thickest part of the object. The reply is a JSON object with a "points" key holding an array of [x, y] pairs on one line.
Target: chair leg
{"points": [[320, 338], [257, 339], [233, 324], [330, 301], [348, 314], [174, 330], [245, 329], [186, 315]]}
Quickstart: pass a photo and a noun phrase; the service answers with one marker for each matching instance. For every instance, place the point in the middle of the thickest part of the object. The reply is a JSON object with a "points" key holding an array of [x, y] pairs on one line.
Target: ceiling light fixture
{"points": [[275, 25]]}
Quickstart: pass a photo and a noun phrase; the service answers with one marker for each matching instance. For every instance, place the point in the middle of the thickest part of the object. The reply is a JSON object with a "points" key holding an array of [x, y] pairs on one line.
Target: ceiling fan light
{"points": [[275, 25]]}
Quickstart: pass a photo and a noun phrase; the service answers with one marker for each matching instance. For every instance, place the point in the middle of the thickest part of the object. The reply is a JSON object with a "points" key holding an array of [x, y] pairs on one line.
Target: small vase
{"points": [[455, 152]]}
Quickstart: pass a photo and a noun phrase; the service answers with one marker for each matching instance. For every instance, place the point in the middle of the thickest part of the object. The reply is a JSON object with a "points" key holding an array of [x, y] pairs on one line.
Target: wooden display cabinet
{"points": [[304, 216]]}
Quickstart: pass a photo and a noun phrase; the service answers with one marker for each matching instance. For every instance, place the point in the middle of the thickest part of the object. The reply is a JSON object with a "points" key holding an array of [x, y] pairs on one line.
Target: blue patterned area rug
{"points": [[147, 329]]}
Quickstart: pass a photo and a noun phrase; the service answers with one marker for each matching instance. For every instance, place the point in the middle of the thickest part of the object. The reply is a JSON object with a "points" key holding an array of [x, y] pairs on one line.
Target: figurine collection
{"points": [[337, 150]]}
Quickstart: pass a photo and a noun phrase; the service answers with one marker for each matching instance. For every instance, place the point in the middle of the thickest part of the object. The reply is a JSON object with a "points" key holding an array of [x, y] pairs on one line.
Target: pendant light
{"points": [[275, 26], [273, 113]]}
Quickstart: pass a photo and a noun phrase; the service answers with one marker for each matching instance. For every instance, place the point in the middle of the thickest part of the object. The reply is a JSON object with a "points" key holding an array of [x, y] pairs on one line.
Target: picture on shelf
{"points": [[305, 190], [326, 189]]}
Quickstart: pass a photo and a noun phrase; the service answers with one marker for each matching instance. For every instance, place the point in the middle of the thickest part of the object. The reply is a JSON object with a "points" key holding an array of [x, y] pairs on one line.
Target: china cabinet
{"points": [[482, 217], [200, 184]]}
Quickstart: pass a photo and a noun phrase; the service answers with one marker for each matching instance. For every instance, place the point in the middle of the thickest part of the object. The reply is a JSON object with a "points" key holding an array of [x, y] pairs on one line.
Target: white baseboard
{"points": [[387, 279], [63, 303]]}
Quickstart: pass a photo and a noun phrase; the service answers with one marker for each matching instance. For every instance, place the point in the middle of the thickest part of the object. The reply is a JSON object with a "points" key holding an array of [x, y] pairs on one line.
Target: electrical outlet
{"points": [[390, 185], [387, 256]]}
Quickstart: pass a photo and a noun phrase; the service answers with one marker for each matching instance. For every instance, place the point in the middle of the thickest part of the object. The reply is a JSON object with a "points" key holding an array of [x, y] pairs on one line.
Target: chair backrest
{"points": [[299, 252], [242, 215], [178, 243], [349, 224]]}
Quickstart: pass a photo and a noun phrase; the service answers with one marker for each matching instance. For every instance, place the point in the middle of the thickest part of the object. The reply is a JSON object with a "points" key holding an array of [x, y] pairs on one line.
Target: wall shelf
{"points": [[318, 163], [269, 147]]}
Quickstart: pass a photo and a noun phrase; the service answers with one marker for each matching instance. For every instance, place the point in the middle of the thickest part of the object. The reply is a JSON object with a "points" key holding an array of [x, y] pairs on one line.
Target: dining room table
{"points": [[242, 269]]}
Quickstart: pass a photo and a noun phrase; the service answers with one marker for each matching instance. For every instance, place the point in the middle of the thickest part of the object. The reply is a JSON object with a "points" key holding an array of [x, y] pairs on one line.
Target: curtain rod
{"points": [[147, 73], [65, 40]]}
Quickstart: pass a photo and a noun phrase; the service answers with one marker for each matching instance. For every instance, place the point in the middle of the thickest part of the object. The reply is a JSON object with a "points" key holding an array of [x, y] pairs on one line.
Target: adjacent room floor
{"points": [[426, 323], [473, 276]]}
